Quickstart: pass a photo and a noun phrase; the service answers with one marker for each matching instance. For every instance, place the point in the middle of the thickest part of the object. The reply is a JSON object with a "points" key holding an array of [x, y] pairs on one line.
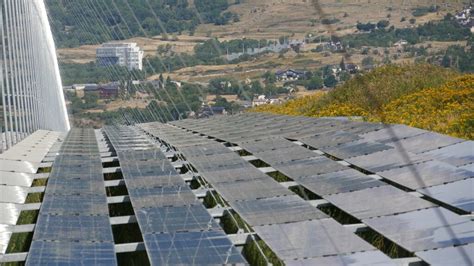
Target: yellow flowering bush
{"points": [[422, 96], [448, 109]]}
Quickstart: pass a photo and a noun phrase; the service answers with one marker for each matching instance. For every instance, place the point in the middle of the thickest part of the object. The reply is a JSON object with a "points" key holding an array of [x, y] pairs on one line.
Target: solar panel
{"points": [[309, 239], [355, 148], [385, 160], [459, 256], [309, 167], [389, 200], [251, 189], [459, 194], [232, 175], [338, 182], [426, 174], [74, 205], [284, 155], [73, 228], [10, 213], [425, 229], [176, 228], [391, 133], [175, 219], [458, 154], [80, 253], [266, 144], [329, 139], [191, 248], [359, 258], [425, 142], [73, 220], [161, 196], [16, 179], [276, 210]]}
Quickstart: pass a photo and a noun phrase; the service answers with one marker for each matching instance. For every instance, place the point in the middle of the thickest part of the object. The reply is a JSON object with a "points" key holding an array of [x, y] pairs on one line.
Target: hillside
{"points": [[422, 96], [83, 22]]}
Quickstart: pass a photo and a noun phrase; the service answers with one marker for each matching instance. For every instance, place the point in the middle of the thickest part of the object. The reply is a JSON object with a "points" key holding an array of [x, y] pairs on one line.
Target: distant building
{"points": [[208, 111], [290, 74], [352, 68], [90, 88], [121, 54], [400, 44], [104, 91], [109, 91], [262, 99]]}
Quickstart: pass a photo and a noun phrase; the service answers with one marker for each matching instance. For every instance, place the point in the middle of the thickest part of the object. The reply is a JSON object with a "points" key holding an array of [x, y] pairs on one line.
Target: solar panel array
{"points": [[73, 223], [18, 167], [279, 217], [411, 186], [176, 227], [367, 170]]}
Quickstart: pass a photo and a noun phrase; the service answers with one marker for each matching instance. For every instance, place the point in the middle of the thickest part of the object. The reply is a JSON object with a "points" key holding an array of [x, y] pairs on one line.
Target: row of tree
{"points": [[81, 22]]}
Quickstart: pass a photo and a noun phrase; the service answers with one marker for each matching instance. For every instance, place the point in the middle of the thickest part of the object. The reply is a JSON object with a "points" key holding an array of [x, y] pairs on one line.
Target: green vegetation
{"points": [[384, 245], [113, 19], [91, 73], [419, 95], [254, 257], [421, 11], [232, 222], [459, 57], [445, 30]]}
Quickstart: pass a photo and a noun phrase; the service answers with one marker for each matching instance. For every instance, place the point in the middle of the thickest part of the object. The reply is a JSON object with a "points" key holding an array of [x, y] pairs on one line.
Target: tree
{"points": [[282, 39], [368, 62], [382, 24], [412, 21], [330, 81], [91, 100], [269, 77], [342, 64], [315, 83]]}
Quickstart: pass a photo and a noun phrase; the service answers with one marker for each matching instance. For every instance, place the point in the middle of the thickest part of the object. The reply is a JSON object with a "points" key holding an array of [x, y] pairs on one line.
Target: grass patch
{"points": [[194, 184], [232, 225], [212, 199], [137, 258], [20, 242], [113, 176], [114, 163], [121, 209], [127, 233], [255, 257], [42, 170], [279, 177], [34, 197], [304, 193], [116, 191], [259, 163], [339, 215], [383, 244], [243, 153], [40, 182], [28, 217]]}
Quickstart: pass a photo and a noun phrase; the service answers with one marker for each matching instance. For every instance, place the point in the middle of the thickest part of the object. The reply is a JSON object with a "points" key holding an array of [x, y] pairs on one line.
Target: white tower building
{"points": [[123, 54]]}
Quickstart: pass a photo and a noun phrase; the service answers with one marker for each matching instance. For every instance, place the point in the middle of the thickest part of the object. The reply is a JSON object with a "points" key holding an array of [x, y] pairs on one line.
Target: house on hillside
{"points": [[109, 91], [400, 45], [290, 74], [352, 68], [208, 111], [91, 88]]}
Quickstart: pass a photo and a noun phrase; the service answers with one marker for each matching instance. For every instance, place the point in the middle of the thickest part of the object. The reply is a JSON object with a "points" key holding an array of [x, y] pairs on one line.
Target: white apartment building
{"points": [[122, 54]]}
